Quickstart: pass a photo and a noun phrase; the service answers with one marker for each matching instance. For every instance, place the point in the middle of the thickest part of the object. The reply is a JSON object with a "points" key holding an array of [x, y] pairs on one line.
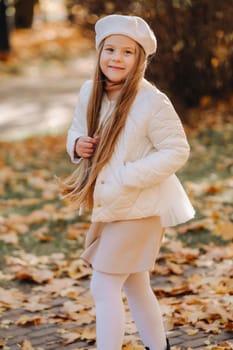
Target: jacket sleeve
{"points": [[79, 126], [171, 150]]}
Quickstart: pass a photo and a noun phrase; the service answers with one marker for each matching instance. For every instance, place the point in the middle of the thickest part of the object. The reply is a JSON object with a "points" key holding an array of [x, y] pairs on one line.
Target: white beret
{"points": [[132, 26]]}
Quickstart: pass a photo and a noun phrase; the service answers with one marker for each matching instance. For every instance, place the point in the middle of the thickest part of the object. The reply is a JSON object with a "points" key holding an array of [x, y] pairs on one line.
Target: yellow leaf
{"points": [[34, 303], [11, 298], [214, 62], [223, 346], [84, 317], [161, 270], [36, 275], [133, 347], [71, 336], [26, 345], [192, 331], [225, 230], [175, 268], [25, 319], [88, 334], [42, 235], [69, 307], [71, 292]]}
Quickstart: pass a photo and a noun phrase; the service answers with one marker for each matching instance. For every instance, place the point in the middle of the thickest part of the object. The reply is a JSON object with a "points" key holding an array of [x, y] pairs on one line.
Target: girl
{"points": [[128, 142]]}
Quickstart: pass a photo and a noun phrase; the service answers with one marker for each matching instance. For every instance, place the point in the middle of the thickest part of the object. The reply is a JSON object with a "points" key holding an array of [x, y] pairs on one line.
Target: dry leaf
{"points": [[11, 298], [133, 347], [26, 345], [58, 285], [36, 275], [192, 331], [224, 229], [84, 317], [26, 319], [175, 268], [70, 337], [36, 303], [88, 334], [42, 235], [71, 307], [10, 238]]}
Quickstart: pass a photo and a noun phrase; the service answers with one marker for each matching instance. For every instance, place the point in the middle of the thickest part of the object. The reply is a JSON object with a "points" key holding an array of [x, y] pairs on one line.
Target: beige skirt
{"points": [[123, 246]]}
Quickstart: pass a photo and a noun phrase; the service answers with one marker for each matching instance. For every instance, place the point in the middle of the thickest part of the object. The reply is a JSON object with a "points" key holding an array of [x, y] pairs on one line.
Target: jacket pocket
{"points": [[113, 194]]}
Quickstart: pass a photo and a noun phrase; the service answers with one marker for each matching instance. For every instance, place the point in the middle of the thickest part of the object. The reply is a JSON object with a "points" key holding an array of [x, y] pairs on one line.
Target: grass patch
{"points": [[197, 239]]}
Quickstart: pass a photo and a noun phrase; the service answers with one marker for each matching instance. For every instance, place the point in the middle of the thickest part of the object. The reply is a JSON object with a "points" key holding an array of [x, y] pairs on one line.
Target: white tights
{"points": [[110, 317]]}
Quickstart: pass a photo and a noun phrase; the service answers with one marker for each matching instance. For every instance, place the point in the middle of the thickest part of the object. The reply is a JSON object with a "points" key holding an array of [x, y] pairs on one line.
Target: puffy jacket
{"points": [[139, 179]]}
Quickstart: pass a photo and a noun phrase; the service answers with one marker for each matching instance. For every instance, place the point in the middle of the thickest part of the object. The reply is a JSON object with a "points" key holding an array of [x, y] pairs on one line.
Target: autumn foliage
{"points": [[195, 56]]}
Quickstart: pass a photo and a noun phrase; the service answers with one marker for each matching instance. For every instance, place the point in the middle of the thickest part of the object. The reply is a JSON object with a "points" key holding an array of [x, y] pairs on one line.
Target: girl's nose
{"points": [[117, 56]]}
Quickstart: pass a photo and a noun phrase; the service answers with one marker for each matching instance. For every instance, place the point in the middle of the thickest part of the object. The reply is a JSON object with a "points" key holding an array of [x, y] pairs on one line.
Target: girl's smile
{"points": [[117, 57], [114, 67]]}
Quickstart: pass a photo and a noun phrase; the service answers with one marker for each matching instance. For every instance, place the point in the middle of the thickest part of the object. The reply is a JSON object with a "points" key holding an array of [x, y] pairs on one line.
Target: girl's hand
{"points": [[85, 146]]}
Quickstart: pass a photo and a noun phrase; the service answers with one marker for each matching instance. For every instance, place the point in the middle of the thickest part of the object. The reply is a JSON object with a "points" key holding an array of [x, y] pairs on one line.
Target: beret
{"points": [[132, 26]]}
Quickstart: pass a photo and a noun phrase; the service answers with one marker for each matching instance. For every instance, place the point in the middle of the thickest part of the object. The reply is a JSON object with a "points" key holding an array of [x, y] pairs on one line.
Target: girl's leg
{"points": [[145, 310], [110, 315]]}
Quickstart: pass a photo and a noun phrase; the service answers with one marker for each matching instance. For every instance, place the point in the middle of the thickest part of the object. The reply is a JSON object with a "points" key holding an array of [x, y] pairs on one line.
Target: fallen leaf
{"points": [[70, 337], [175, 268], [192, 331], [26, 345], [33, 274], [133, 347], [11, 298], [26, 319], [34, 305], [71, 307], [10, 238], [57, 286], [88, 334], [42, 235], [224, 229]]}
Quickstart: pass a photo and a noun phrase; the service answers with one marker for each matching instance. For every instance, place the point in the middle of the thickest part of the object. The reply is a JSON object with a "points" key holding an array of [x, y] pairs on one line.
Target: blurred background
{"points": [[193, 65]]}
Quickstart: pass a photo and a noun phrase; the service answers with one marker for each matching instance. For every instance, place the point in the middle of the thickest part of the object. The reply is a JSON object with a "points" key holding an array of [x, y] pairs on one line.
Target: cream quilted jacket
{"points": [[139, 180]]}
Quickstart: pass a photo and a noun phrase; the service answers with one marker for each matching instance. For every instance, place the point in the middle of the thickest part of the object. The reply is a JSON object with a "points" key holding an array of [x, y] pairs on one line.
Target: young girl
{"points": [[128, 143]]}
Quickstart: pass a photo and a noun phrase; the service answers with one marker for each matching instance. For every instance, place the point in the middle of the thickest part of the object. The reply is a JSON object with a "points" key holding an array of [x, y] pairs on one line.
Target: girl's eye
{"points": [[109, 49], [128, 52]]}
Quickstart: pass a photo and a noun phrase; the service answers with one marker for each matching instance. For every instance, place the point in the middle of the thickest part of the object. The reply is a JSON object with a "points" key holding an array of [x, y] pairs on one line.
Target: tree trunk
{"points": [[4, 33], [24, 11]]}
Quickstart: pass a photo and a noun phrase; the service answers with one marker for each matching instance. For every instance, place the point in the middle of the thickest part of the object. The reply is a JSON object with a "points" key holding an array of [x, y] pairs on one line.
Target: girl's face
{"points": [[118, 57]]}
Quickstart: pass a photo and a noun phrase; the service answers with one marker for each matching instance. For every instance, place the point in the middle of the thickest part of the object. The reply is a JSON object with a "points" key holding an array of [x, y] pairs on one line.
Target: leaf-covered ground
{"points": [[41, 238]]}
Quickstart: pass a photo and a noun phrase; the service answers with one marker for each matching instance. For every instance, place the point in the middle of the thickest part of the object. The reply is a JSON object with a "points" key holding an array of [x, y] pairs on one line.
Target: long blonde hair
{"points": [[79, 186]]}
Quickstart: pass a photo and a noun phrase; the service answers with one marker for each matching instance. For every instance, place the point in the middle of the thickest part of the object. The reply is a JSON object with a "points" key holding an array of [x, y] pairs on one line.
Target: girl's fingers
{"points": [[86, 145], [89, 145], [87, 149], [86, 152]]}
